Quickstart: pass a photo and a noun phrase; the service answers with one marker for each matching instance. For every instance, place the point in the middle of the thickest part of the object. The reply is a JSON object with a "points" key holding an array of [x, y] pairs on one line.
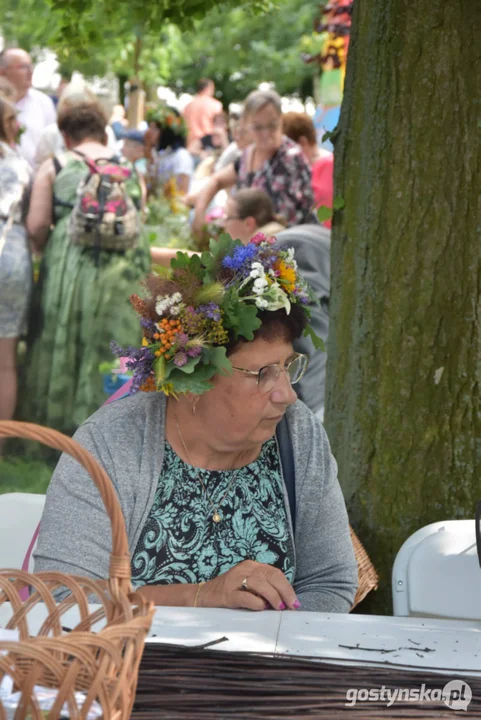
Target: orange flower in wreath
{"points": [[286, 274]]}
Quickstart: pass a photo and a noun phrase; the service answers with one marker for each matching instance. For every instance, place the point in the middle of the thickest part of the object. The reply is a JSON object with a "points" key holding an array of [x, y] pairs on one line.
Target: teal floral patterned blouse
{"points": [[181, 543]]}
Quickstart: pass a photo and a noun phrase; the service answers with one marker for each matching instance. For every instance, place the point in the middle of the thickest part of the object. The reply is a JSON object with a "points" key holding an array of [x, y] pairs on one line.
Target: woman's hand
{"points": [[190, 199], [198, 224], [227, 177], [267, 587]]}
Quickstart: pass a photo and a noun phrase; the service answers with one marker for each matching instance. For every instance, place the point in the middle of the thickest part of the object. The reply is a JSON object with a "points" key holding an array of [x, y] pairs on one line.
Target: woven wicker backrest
{"points": [[367, 576]]}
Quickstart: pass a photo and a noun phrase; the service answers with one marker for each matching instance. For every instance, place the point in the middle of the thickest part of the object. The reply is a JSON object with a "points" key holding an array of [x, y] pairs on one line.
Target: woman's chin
{"points": [[267, 428]]}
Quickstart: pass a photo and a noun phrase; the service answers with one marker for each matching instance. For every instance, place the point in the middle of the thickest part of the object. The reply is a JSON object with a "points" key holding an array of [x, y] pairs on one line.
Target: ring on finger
{"points": [[244, 584]]}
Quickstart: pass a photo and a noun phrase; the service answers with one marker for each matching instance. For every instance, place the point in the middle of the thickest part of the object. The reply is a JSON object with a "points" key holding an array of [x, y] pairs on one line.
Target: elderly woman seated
{"points": [[195, 457]]}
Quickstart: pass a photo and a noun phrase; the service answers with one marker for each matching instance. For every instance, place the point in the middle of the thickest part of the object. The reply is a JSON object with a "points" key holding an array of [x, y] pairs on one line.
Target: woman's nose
{"points": [[284, 392]]}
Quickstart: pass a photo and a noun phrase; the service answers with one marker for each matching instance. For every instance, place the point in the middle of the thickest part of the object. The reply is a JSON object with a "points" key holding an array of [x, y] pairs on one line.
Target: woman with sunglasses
{"points": [[272, 163], [194, 454]]}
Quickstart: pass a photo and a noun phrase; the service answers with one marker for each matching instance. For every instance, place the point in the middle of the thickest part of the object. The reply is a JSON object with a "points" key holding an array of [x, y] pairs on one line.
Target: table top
{"points": [[432, 644], [437, 645]]}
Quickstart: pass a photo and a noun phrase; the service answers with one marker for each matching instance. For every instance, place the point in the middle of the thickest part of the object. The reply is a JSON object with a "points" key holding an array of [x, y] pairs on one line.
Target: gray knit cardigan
{"points": [[127, 437]]}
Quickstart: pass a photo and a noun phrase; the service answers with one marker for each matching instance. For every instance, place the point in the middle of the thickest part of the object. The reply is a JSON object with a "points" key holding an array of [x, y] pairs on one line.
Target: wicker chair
{"points": [[367, 576]]}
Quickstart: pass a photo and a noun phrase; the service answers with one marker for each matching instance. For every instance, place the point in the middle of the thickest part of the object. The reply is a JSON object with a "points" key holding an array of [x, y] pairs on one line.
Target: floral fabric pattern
{"points": [[286, 178], [180, 542], [15, 263], [15, 179]]}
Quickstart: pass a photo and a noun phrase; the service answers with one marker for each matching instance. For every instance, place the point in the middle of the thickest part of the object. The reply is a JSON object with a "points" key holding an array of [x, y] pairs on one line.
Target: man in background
{"points": [[199, 114], [35, 109]]}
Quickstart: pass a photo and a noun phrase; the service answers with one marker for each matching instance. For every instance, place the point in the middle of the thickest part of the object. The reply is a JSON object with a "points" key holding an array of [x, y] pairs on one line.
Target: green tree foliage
{"points": [[82, 21], [107, 45], [27, 23], [240, 49], [33, 25]]}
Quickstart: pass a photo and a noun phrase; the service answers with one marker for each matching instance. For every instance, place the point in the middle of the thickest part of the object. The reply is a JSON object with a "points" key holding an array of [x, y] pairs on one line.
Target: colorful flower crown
{"points": [[166, 117], [206, 301]]}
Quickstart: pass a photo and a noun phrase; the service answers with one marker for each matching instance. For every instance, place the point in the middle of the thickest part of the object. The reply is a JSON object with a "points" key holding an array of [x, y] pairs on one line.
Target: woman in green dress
{"points": [[81, 300]]}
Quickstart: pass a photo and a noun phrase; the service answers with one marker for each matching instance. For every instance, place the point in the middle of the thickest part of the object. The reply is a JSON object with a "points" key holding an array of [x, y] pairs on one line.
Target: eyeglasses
{"points": [[23, 66], [232, 217], [268, 375], [269, 126]]}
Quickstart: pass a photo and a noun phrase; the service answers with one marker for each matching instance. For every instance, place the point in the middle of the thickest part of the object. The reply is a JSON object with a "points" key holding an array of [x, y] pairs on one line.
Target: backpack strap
{"points": [[57, 165], [286, 454]]}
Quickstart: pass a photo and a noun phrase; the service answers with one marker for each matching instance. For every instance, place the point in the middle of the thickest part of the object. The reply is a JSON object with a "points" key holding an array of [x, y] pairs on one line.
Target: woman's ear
{"points": [[69, 144], [304, 143], [251, 224]]}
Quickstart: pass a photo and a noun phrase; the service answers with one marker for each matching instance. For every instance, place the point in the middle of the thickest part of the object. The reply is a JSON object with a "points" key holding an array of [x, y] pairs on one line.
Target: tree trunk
{"points": [[122, 79], [404, 353], [137, 53], [135, 111]]}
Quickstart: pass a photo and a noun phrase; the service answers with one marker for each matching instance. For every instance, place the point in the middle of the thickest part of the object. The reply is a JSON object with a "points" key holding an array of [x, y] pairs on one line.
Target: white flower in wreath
{"points": [[290, 258], [261, 303], [257, 270], [277, 298], [259, 285], [162, 304]]}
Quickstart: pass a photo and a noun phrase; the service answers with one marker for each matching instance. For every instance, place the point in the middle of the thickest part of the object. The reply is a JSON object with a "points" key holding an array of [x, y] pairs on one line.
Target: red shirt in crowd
{"points": [[322, 181]]}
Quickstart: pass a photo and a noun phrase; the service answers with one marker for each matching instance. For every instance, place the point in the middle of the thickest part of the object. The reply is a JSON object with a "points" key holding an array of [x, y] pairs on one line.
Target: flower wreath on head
{"points": [[206, 300], [165, 117]]}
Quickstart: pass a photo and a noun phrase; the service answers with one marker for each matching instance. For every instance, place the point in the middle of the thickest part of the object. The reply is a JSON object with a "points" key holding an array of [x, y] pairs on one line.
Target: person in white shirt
{"points": [[35, 109]]}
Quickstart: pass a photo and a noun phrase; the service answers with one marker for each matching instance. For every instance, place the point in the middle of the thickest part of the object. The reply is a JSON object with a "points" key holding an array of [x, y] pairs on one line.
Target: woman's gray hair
{"points": [[258, 99]]}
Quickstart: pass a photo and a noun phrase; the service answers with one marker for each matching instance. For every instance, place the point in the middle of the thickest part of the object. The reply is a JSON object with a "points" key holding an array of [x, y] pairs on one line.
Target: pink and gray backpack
{"points": [[104, 216]]}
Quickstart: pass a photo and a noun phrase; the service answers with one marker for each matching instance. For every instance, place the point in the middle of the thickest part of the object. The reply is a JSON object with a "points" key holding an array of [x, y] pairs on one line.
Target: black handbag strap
{"points": [[287, 462]]}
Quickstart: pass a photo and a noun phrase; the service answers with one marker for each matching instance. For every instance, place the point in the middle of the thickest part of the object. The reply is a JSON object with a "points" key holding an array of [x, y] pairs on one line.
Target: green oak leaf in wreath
{"points": [[218, 357], [196, 385], [316, 340], [240, 317]]}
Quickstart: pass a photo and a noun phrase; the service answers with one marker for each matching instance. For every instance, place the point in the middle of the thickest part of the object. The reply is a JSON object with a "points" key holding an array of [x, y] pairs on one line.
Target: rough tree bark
{"points": [[404, 352]]}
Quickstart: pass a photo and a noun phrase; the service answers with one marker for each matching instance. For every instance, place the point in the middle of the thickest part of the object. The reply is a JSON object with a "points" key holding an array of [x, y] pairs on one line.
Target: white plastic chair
{"points": [[436, 573], [20, 514]]}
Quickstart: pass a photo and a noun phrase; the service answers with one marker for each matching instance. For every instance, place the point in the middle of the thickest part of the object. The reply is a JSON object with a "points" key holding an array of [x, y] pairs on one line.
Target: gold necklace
{"points": [[216, 517]]}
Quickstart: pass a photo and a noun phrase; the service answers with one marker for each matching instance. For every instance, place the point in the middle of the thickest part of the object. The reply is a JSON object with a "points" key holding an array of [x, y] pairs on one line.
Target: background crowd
{"points": [[257, 170]]}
